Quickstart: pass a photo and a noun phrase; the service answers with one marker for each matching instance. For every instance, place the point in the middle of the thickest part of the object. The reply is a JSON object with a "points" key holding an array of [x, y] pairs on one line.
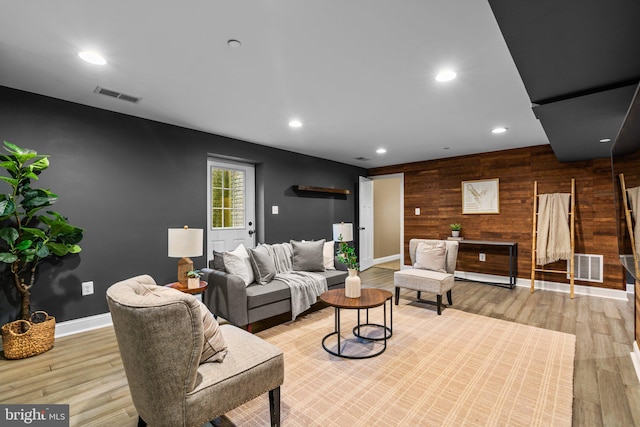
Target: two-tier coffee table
{"points": [[369, 298]]}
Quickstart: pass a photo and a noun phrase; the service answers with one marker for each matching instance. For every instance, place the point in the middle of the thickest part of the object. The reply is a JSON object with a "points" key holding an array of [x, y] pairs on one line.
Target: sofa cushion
{"points": [[237, 262], [423, 280], [334, 277], [264, 267], [276, 290], [308, 256]]}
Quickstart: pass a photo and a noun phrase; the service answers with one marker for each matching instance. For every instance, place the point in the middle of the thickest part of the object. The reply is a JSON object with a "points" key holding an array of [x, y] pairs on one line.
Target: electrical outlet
{"points": [[274, 210], [482, 257], [417, 211], [87, 288]]}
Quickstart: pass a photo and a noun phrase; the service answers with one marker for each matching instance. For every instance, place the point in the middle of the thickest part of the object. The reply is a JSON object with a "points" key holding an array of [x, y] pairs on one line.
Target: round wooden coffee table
{"points": [[369, 298]]}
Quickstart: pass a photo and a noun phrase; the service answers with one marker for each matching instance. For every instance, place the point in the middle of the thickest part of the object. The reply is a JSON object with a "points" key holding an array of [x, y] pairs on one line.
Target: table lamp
{"points": [[184, 243], [345, 229]]}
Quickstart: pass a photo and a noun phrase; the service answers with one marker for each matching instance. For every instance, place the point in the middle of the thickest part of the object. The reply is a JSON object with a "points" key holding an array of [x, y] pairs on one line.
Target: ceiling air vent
{"points": [[119, 95], [362, 159]]}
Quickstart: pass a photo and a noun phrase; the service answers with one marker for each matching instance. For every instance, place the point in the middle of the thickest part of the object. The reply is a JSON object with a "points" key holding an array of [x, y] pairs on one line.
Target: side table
{"points": [[192, 291]]}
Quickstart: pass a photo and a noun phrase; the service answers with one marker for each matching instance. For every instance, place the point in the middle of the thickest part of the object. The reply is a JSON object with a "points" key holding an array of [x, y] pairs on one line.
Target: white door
{"points": [[365, 222], [231, 215]]}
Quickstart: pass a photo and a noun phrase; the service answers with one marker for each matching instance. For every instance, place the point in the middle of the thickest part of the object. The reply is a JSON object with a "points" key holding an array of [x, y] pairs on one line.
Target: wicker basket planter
{"points": [[22, 338]]}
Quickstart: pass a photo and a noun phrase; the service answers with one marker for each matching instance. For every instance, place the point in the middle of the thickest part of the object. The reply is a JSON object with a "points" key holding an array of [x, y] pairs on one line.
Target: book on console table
{"points": [[455, 238]]}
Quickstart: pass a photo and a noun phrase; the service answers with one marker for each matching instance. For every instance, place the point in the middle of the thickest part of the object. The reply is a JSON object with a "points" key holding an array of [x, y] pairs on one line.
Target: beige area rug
{"points": [[457, 369]]}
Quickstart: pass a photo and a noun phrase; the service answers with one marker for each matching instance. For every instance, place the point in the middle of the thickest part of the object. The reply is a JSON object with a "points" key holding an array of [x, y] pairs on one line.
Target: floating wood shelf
{"points": [[320, 189]]}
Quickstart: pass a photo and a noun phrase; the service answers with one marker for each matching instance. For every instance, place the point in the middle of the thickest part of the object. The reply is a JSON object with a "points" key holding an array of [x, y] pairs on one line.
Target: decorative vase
{"points": [[352, 284], [193, 282], [455, 233]]}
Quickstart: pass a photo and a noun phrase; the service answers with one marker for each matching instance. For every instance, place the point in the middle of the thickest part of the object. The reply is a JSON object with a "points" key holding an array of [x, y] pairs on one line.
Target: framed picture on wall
{"points": [[481, 196]]}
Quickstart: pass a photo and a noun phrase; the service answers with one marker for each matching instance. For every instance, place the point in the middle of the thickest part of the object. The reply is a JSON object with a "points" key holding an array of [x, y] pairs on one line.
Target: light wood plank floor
{"points": [[85, 370]]}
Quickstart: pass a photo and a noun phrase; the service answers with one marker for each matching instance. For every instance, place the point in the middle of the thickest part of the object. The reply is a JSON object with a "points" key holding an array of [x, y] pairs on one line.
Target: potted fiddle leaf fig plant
{"points": [[29, 233]]}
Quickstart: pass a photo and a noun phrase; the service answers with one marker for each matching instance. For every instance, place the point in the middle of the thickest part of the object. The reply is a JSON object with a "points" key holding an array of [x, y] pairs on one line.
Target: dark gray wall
{"points": [[126, 180]]}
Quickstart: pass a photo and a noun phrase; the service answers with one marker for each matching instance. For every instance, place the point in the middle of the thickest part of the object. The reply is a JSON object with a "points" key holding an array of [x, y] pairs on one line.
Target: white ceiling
{"points": [[359, 74]]}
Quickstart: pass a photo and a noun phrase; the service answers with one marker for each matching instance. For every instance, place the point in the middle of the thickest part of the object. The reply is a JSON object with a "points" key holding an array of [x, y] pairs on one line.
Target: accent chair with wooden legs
{"points": [[163, 342], [434, 263]]}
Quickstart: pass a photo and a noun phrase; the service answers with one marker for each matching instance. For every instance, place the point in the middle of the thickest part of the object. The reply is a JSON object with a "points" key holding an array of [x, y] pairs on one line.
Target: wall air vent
{"points": [[118, 95], [362, 159], [588, 267]]}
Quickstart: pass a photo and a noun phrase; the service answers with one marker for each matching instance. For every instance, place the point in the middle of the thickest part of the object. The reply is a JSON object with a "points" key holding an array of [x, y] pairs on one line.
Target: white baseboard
{"points": [[83, 324], [635, 358], [386, 259], [503, 280], [592, 291], [76, 326]]}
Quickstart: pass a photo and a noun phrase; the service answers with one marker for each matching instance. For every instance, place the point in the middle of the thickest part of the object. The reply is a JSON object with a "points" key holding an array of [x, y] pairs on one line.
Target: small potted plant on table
{"points": [[455, 229], [193, 279]]}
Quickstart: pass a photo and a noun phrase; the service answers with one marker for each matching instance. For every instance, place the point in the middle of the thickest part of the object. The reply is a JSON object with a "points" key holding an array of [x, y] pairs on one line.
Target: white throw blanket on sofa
{"points": [[305, 286]]}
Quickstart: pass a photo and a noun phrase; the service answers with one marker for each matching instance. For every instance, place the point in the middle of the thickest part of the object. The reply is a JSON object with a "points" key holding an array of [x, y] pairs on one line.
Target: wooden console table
{"points": [[513, 256]]}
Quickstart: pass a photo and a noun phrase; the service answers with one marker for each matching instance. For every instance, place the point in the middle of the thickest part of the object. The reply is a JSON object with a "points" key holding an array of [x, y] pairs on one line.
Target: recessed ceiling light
{"points": [[446, 75], [234, 43], [603, 140], [92, 57], [381, 150], [295, 123], [499, 130]]}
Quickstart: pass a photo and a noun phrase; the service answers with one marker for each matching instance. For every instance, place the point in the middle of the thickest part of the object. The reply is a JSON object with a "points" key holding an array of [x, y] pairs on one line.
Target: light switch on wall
{"points": [[274, 210], [417, 211]]}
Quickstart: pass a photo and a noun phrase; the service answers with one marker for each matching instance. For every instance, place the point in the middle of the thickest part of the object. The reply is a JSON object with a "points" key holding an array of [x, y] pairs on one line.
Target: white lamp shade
{"points": [[185, 242], [345, 229]]}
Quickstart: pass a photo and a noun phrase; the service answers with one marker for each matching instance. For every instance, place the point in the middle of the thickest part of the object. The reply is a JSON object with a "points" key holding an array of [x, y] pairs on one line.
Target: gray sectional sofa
{"points": [[229, 297]]}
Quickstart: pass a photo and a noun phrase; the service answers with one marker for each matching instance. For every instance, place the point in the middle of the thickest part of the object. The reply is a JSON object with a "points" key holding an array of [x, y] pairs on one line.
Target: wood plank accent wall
{"points": [[435, 187]]}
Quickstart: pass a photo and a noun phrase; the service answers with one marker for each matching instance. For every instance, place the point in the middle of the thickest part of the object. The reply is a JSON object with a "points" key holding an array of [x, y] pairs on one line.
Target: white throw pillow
{"points": [[328, 254], [237, 262], [431, 257]]}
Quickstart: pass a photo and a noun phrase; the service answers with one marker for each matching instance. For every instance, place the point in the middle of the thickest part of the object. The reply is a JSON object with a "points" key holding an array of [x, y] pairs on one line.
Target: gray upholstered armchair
{"points": [[161, 342]]}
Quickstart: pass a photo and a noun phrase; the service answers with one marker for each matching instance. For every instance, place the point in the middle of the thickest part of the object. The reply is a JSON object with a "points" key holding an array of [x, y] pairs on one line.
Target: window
{"points": [[227, 198]]}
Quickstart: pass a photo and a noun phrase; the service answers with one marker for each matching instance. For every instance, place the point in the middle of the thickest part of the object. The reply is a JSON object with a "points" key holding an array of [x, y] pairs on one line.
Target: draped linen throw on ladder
{"points": [[305, 287], [634, 201], [554, 238]]}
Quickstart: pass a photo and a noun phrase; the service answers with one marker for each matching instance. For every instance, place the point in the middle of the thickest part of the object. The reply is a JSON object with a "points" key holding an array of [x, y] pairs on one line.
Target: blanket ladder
{"points": [[534, 239], [629, 219]]}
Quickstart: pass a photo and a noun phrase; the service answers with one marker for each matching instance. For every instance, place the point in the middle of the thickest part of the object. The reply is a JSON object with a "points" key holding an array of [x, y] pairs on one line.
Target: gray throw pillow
{"points": [[307, 256], [264, 267], [218, 261]]}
